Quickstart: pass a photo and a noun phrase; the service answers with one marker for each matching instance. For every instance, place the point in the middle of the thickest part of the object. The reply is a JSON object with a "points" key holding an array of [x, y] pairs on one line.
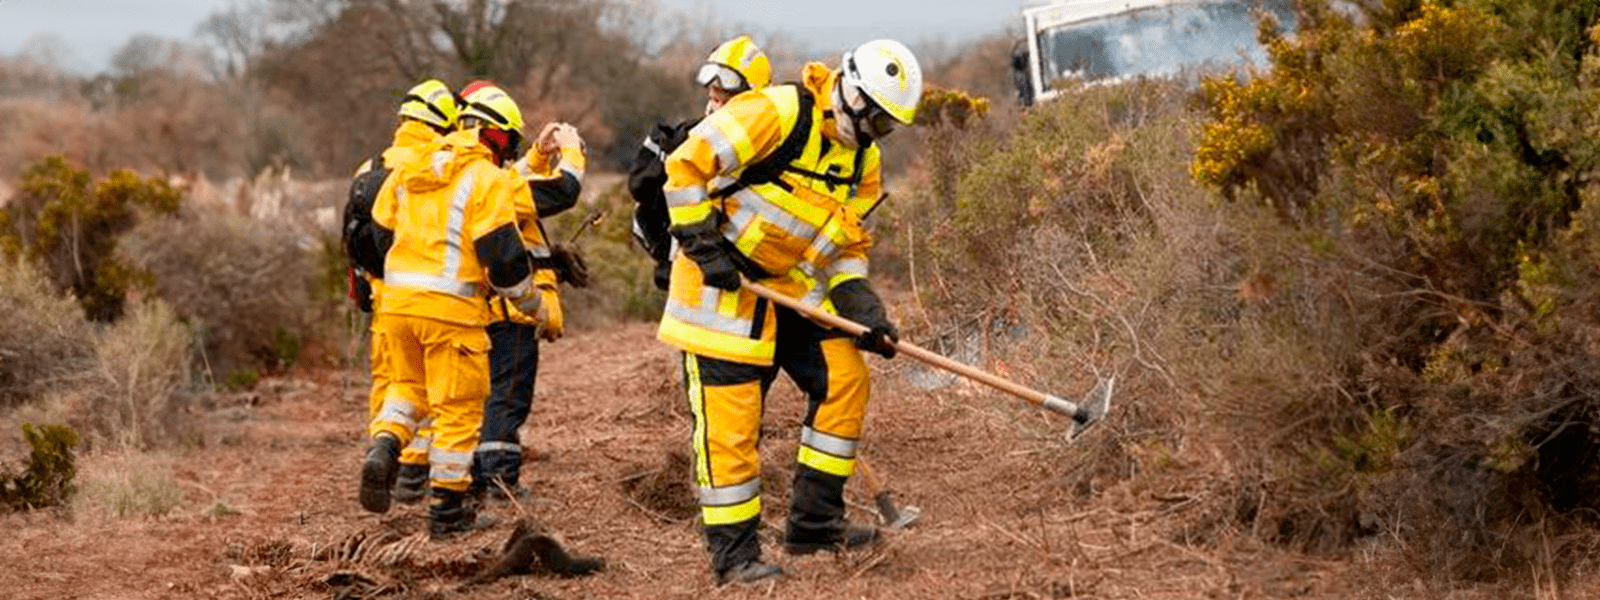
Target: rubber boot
{"points": [[450, 515], [816, 515], [411, 485], [378, 472]]}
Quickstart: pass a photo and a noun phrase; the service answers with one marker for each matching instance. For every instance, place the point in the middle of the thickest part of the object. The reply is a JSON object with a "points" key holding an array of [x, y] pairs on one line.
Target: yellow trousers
{"points": [[416, 452], [437, 370]]}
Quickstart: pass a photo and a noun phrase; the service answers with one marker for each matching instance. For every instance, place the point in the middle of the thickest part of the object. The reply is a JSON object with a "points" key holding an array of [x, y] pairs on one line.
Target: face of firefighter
{"points": [[716, 97]]}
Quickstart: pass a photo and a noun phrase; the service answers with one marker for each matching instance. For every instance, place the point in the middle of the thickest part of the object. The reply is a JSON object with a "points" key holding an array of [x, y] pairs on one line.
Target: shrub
{"points": [[244, 286], [47, 481], [144, 363], [68, 224], [133, 485], [44, 339]]}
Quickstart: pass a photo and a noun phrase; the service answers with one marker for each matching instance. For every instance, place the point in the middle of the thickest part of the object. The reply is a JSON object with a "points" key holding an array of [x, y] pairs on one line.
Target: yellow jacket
{"points": [[409, 138], [452, 214], [801, 221], [546, 185]]}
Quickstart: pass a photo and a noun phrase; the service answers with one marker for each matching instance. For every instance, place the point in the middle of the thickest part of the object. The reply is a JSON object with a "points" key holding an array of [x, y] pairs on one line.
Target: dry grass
{"points": [[44, 340], [128, 485], [143, 368]]}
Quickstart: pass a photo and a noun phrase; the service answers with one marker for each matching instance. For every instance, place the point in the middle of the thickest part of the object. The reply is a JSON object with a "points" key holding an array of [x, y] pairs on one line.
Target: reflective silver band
{"points": [[446, 464], [708, 318], [790, 223], [835, 445], [727, 156], [400, 412], [729, 495], [452, 236], [571, 170], [434, 283], [655, 149], [851, 266], [688, 196], [499, 447]]}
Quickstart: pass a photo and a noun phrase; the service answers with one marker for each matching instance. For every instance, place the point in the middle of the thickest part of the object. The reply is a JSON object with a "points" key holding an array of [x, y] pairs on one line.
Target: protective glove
{"points": [[716, 267], [880, 340], [570, 268], [552, 322]]}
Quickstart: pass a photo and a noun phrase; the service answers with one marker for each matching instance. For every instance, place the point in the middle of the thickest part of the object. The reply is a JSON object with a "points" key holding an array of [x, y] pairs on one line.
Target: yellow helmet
{"points": [[491, 105], [431, 102], [737, 65]]}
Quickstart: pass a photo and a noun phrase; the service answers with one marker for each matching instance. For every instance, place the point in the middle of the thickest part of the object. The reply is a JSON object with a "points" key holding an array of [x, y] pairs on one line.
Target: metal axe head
{"points": [[895, 517], [1093, 408]]}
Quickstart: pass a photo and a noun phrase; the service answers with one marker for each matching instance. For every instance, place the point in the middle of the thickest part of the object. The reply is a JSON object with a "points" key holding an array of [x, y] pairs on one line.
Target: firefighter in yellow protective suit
{"points": [[448, 225], [772, 187], [427, 113], [553, 174], [733, 67]]}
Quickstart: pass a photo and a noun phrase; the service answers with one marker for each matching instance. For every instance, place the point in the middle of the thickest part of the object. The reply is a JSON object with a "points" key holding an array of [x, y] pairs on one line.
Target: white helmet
{"points": [[880, 85]]}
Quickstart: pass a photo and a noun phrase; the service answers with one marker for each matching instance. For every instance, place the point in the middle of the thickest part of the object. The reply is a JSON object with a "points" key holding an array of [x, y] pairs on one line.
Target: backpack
{"points": [[359, 234]]}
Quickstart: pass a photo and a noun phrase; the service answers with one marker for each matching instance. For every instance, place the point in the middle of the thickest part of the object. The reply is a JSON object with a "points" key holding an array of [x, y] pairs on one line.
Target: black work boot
{"points": [[450, 514], [749, 572], [846, 535], [378, 472], [411, 485], [816, 515]]}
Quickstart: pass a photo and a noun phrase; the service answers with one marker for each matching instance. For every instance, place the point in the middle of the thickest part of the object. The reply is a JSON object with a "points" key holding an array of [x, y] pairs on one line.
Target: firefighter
{"points": [[553, 174], [447, 225], [734, 67], [772, 187], [427, 113]]}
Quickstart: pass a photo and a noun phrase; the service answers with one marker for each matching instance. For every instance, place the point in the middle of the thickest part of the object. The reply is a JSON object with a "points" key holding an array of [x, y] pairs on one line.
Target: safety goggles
{"points": [[722, 76]]}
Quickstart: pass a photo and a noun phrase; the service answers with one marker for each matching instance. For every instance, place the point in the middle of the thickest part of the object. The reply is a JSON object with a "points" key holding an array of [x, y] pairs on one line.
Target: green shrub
{"points": [[47, 481], [68, 224]]}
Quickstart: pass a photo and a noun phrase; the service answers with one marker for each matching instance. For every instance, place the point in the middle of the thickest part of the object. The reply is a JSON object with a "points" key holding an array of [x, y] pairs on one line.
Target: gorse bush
{"points": [[48, 478], [68, 224]]}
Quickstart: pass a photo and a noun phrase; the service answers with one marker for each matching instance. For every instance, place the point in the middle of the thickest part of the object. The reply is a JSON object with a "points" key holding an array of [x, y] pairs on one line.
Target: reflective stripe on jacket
{"points": [[798, 226], [439, 207], [409, 140]]}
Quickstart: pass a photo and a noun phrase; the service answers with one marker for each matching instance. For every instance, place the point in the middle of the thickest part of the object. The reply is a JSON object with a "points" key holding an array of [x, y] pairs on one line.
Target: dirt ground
{"points": [[269, 508]]}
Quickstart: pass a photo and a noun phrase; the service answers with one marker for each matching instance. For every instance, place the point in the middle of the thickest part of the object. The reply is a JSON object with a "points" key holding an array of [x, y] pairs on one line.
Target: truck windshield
{"points": [[1155, 40]]}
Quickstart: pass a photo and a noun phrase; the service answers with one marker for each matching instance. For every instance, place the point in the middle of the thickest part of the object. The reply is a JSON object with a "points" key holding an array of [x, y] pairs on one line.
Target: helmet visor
{"points": [[721, 76]]}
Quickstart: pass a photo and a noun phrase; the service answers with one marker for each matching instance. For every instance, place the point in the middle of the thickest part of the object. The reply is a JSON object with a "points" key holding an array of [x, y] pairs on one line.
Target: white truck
{"points": [[1103, 41]]}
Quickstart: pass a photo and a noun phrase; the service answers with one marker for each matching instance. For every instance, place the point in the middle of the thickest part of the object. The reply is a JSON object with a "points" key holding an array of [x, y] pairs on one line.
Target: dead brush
{"points": [[243, 285], [143, 366], [44, 339]]}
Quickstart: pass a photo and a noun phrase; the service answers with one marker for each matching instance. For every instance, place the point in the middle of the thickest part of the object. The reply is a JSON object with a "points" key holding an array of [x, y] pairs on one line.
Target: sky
{"points": [[92, 30]]}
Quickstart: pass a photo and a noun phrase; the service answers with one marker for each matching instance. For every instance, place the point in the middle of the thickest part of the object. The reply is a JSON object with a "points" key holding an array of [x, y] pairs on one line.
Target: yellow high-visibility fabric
{"points": [[541, 166], [800, 223], [727, 430], [440, 370], [453, 195], [840, 413], [527, 217], [409, 138]]}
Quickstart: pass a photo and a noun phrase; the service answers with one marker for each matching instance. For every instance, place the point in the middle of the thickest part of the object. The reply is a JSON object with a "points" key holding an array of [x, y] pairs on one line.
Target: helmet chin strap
{"points": [[844, 121]]}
